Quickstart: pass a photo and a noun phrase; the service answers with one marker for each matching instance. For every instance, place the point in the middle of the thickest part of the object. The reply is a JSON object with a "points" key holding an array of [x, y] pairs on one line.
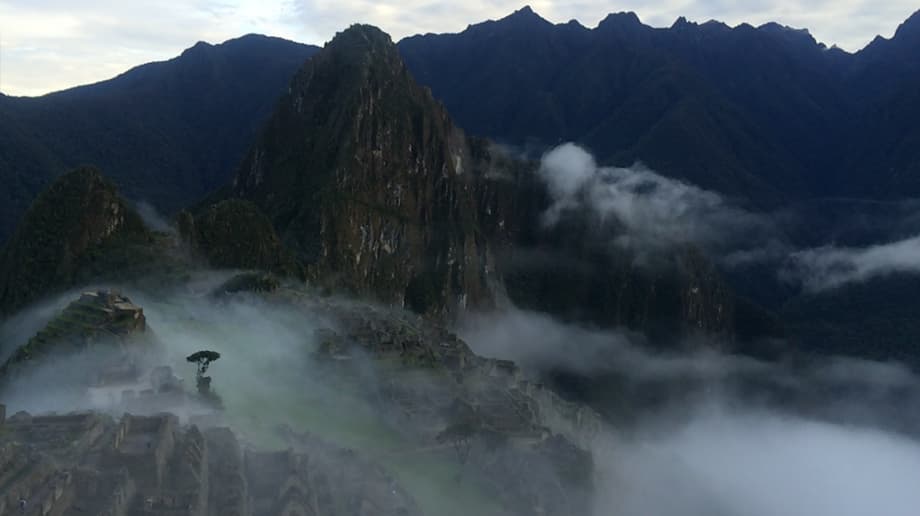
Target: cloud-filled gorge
{"points": [[644, 212], [691, 433], [708, 434], [829, 267], [687, 432]]}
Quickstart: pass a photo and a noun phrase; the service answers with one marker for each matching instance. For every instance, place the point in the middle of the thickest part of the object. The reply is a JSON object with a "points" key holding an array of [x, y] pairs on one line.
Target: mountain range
{"points": [[372, 168], [167, 133], [765, 113]]}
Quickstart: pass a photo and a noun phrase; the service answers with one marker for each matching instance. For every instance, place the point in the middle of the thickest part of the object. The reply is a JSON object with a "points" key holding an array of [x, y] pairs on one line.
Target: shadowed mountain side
{"points": [[373, 189], [63, 232], [764, 113], [166, 133], [235, 234], [367, 181]]}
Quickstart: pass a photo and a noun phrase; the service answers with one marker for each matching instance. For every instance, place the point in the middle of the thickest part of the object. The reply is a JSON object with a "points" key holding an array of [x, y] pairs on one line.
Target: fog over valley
{"points": [[529, 268]]}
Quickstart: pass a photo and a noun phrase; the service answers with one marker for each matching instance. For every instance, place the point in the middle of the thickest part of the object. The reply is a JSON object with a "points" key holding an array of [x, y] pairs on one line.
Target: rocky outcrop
{"points": [[101, 316], [486, 413], [368, 182], [92, 464], [574, 271], [236, 234], [253, 282], [63, 235]]}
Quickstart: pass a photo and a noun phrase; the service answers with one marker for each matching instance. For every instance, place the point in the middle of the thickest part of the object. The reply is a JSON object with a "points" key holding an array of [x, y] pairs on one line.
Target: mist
{"points": [[723, 461], [722, 434], [266, 369], [701, 433], [830, 267], [268, 378], [152, 218], [645, 211]]}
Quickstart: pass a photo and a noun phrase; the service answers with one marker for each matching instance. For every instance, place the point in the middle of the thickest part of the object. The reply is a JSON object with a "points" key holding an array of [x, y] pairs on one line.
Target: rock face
{"points": [[577, 275], [97, 316], [252, 282], [367, 181], [62, 234], [167, 132], [236, 234], [428, 384], [92, 464]]}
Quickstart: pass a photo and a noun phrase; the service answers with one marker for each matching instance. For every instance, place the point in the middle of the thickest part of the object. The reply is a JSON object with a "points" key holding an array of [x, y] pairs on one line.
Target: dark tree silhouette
{"points": [[204, 359]]}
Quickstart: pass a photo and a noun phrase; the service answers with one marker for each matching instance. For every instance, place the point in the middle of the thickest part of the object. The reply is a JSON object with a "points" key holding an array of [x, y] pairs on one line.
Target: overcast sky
{"points": [[49, 45]]}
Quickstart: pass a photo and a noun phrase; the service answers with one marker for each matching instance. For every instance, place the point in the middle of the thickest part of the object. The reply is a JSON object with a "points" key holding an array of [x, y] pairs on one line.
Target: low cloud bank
{"points": [[645, 211], [830, 267], [729, 462], [153, 218], [649, 214], [732, 435]]}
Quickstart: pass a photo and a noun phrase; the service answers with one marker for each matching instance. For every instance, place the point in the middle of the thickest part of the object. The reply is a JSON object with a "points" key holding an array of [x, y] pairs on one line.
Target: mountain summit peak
{"points": [[360, 35], [910, 28], [354, 169], [526, 15]]}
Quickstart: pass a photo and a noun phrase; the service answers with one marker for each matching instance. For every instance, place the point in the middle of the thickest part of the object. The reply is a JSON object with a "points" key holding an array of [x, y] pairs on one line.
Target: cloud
{"points": [[699, 433], [49, 45], [152, 218], [834, 443], [646, 211], [725, 462], [829, 267]]}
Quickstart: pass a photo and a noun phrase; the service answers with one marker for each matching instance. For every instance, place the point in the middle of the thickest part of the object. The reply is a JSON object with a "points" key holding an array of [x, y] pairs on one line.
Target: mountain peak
{"points": [[683, 23], [197, 48], [621, 20], [354, 169], [910, 28], [78, 213], [360, 48], [789, 33], [525, 11], [525, 15], [363, 35]]}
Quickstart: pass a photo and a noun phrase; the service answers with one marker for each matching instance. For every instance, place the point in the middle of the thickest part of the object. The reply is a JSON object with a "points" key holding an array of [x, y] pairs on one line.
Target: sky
{"points": [[48, 45]]}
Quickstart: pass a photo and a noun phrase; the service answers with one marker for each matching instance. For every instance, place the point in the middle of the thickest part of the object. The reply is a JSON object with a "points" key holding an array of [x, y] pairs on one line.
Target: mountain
{"points": [[63, 232], [765, 113], [368, 182], [235, 233], [166, 133]]}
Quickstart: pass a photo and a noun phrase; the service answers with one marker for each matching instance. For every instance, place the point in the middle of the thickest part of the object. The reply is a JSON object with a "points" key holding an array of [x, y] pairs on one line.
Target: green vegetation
{"points": [[65, 230], [235, 234]]}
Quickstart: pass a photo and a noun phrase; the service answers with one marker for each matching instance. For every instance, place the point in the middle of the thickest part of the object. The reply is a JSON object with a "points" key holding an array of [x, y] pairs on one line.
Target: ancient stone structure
{"points": [[428, 383], [97, 316], [151, 466]]}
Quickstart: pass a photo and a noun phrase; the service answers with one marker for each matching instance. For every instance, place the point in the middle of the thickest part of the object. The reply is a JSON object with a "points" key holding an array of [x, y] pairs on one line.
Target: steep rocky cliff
{"points": [[93, 464], [372, 188], [571, 270], [236, 234], [367, 181], [62, 236], [101, 316]]}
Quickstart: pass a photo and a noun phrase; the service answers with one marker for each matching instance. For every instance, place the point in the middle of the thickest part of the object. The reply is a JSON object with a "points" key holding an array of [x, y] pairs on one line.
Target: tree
{"points": [[204, 359]]}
